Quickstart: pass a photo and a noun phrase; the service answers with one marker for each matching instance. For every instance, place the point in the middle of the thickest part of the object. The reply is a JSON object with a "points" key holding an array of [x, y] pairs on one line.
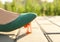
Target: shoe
{"points": [[18, 22]]}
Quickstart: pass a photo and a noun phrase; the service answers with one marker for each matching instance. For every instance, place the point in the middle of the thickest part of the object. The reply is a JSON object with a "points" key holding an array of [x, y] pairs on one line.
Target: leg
{"points": [[28, 27]]}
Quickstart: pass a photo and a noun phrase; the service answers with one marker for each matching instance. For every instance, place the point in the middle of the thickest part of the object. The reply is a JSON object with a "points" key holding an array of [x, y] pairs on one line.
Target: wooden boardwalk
{"points": [[50, 27], [44, 29]]}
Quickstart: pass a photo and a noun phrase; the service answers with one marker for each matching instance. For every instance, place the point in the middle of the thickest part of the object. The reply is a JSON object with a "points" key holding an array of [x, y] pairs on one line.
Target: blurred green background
{"points": [[42, 8]]}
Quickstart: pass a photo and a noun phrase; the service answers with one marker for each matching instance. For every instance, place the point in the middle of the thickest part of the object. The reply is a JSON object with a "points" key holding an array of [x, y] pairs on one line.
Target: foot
{"points": [[28, 32]]}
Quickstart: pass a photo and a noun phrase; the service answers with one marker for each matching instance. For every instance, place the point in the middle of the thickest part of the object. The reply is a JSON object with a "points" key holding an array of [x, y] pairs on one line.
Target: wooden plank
{"points": [[55, 19], [48, 26], [55, 37]]}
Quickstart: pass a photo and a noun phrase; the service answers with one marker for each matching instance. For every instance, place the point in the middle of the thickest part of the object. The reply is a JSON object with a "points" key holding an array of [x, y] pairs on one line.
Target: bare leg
{"points": [[28, 28]]}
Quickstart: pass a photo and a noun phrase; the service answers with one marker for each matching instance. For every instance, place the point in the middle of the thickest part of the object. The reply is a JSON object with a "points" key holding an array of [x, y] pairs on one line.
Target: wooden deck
{"points": [[44, 29]]}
